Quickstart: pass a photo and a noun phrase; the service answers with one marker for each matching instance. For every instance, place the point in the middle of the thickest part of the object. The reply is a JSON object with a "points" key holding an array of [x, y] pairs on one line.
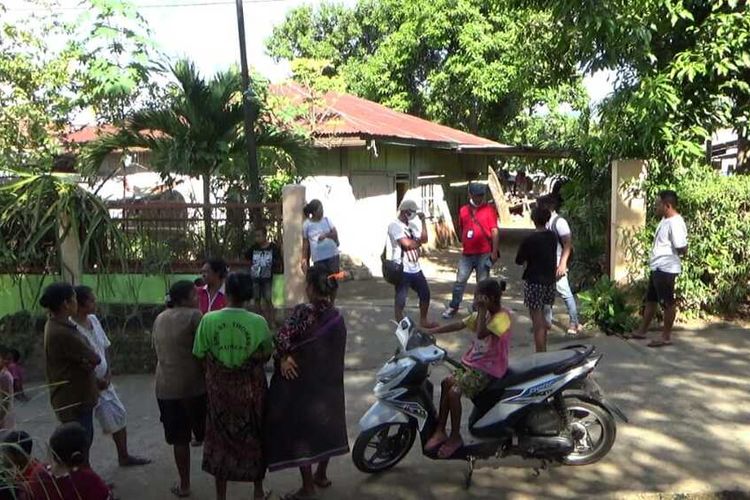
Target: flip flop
{"points": [[133, 461], [448, 451], [433, 445], [176, 491], [296, 496], [322, 483], [635, 336], [659, 343]]}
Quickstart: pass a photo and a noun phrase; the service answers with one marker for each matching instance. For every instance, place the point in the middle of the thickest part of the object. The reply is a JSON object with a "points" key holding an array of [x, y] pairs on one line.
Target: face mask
{"points": [[475, 204], [412, 215]]}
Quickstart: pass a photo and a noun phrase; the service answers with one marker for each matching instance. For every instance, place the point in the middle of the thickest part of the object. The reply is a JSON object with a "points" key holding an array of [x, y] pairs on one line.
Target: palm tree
{"points": [[195, 131]]}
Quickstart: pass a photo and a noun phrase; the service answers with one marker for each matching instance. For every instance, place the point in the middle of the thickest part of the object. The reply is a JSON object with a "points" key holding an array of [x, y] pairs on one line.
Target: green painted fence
{"points": [[21, 294]]}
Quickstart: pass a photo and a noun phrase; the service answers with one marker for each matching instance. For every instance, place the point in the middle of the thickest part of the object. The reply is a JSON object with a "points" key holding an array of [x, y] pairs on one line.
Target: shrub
{"points": [[606, 306]]}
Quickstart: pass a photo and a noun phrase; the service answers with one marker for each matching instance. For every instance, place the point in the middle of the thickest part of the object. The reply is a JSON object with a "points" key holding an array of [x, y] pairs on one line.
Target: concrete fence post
{"points": [[71, 269], [293, 201], [628, 216]]}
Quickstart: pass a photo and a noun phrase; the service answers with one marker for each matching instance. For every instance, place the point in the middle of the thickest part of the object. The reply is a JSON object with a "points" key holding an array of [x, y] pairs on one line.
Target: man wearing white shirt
{"points": [[406, 238], [670, 243], [558, 225]]}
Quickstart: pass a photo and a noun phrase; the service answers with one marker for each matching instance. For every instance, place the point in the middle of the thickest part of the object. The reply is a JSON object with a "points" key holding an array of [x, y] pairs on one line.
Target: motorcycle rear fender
{"points": [[587, 390], [379, 414]]}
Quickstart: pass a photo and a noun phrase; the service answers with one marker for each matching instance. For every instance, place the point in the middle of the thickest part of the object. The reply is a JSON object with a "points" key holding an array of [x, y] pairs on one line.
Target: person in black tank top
{"points": [[538, 253]]}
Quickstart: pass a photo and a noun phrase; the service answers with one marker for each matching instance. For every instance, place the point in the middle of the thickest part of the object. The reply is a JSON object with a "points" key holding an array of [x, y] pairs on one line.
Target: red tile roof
{"points": [[347, 116], [88, 133]]}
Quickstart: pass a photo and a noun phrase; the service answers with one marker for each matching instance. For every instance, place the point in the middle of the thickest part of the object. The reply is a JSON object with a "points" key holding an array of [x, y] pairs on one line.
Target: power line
{"points": [[155, 6]]}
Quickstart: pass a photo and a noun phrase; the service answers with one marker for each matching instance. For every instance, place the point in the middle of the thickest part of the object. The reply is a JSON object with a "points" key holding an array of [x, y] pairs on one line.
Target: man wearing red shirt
{"points": [[477, 228]]}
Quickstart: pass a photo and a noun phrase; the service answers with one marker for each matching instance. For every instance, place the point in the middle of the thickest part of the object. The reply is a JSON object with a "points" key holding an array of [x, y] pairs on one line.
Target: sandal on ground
{"points": [[133, 461], [322, 482], [299, 496], [659, 343], [634, 336], [176, 491], [447, 451]]}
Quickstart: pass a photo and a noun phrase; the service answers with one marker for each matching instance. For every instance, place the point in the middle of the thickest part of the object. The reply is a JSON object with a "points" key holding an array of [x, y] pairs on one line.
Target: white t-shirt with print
{"points": [[398, 230], [671, 234], [319, 249], [560, 226]]}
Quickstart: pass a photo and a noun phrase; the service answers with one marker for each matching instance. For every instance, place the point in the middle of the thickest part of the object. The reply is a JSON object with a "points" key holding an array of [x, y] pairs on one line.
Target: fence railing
{"points": [[164, 236]]}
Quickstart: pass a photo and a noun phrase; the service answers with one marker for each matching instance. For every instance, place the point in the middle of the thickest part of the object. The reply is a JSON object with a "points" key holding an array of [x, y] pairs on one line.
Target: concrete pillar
{"points": [[293, 201], [628, 216], [71, 269]]}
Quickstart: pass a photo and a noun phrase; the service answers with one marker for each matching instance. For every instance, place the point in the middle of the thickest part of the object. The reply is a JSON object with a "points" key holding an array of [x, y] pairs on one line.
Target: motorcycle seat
{"points": [[526, 368]]}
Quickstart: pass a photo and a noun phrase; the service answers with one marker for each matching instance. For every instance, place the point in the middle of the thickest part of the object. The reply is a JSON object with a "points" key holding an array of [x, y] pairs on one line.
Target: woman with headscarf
{"points": [[235, 344], [306, 419]]}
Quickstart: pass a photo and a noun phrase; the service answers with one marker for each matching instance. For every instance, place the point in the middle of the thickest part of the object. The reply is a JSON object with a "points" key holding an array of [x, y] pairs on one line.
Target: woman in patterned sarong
{"points": [[235, 344]]}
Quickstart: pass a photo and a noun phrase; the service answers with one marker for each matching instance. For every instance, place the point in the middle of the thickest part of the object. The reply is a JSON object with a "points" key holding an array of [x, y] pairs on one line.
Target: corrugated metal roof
{"points": [[347, 115]]}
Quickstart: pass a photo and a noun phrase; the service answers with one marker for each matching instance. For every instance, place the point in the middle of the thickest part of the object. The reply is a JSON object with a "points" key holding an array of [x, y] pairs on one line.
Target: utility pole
{"points": [[250, 112]]}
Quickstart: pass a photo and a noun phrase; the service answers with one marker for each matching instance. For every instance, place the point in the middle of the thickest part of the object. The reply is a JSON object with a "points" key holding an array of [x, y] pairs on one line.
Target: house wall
{"points": [[361, 187]]}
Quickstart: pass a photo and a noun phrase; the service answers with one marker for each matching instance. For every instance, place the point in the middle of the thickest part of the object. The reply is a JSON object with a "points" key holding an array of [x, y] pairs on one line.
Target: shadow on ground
{"points": [[689, 409]]}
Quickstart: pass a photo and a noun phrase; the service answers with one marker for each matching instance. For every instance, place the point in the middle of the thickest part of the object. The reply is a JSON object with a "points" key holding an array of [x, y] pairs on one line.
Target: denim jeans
{"points": [[466, 265], [565, 293]]}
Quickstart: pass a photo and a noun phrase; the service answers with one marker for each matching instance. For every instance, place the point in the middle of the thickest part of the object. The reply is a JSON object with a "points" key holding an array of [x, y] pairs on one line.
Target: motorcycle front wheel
{"points": [[593, 430], [382, 447]]}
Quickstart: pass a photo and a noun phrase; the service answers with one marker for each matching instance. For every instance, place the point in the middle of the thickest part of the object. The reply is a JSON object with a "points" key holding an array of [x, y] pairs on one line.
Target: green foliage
{"points": [[606, 306], [52, 68], [198, 129], [683, 69], [469, 64], [716, 209], [38, 210]]}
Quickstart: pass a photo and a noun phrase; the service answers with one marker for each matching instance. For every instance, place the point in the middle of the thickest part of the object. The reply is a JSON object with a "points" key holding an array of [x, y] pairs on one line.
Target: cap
{"points": [[408, 205], [477, 189]]}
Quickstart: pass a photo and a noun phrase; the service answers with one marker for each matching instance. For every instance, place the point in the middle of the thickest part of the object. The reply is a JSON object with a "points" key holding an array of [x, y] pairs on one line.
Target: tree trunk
{"points": [[208, 229], [743, 152]]}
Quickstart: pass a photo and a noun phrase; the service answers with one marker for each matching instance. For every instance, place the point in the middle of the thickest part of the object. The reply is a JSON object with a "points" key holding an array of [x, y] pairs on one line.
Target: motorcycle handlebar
{"points": [[453, 362]]}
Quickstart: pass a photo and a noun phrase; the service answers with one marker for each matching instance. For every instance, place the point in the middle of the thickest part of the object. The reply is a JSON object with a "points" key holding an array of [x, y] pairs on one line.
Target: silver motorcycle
{"points": [[547, 408]]}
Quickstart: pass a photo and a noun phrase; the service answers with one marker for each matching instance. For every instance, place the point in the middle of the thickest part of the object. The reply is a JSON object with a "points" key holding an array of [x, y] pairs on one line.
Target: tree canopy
{"points": [[470, 64], [53, 68], [683, 68]]}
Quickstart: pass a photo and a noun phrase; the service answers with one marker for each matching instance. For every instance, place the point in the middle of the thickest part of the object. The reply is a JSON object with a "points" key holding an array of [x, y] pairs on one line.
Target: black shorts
{"points": [[332, 265], [418, 283], [183, 418], [263, 290], [661, 288]]}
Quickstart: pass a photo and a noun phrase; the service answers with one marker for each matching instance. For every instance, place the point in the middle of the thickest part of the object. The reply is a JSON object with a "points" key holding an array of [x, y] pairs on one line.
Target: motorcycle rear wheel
{"points": [[593, 429], [389, 444]]}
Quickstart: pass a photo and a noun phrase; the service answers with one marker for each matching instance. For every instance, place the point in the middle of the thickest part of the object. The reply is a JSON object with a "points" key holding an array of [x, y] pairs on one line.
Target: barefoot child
{"points": [[486, 359]]}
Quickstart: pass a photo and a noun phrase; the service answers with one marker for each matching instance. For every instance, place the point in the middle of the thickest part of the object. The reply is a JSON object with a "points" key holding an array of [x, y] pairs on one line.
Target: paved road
{"points": [[689, 407]]}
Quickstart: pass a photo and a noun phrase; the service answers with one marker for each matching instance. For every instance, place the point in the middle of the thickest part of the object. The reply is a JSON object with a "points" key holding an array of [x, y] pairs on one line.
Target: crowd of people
{"points": [[210, 387], [210, 383]]}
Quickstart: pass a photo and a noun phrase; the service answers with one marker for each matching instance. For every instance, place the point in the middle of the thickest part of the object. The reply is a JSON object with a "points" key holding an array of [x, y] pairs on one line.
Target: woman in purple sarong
{"points": [[306, 420]]}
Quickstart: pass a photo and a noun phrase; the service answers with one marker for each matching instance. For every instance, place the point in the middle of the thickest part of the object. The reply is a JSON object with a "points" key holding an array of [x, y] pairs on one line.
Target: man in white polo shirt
{"points": [[670, 243]]}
